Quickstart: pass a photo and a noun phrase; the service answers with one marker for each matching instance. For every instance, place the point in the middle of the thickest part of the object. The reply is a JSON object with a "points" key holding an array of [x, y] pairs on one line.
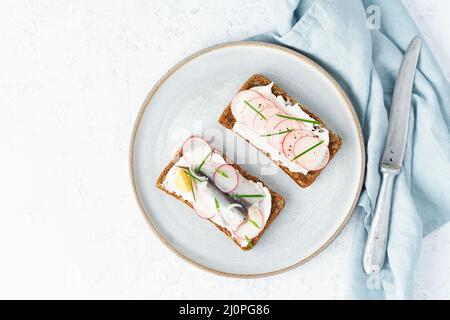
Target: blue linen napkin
{"points": [[361, 43]]}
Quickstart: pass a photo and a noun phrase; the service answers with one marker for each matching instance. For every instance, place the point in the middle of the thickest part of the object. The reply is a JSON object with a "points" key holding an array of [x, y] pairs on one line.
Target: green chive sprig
{"points": [[254, 109], [297, 119], [192, 187], [202, 163], [277, 133], [222, 173], [191, 176], [306, 151], [254, 223], [217, 204], [249, 242]]}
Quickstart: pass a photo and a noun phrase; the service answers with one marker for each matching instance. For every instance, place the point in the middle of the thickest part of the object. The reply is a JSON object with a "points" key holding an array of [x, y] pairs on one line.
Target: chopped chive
{"points": [[192, 187], [222, 173], [254, 109], [192, 176], [217, 204], [277, 133], [254, 223], [202, 163], [246, 195], [297, 119], [249, 242], [306, 151]]}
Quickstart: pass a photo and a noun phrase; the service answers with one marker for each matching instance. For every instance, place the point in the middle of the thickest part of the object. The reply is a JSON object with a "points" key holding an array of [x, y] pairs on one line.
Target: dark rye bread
{"points": [[277, 199], [227, 120]]}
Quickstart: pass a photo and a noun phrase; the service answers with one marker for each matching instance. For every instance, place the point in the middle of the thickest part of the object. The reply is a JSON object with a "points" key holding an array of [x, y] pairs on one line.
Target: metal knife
{"points": [[391, 162]]}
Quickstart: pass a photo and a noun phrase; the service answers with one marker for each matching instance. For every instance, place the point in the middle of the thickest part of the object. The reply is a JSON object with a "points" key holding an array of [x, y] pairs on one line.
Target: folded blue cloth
{"points": [[361, 43]]}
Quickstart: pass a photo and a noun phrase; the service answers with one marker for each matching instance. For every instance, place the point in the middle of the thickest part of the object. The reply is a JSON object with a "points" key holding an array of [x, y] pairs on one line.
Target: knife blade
{"points": [[394, 150], [392, 159]]}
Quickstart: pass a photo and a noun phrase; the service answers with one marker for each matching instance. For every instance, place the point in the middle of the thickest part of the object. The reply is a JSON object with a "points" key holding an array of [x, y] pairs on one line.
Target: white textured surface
{"points": [[72, 77]]}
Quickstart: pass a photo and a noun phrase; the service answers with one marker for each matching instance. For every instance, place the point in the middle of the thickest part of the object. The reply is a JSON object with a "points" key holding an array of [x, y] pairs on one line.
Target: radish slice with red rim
{"points": [[238, 105], [259, 122], [271, 123], [226, 178], [314, 158], [323, 163], [263, 92], [195, 150], [252, 108], [252, 227], [290, 140], [278, 135]]}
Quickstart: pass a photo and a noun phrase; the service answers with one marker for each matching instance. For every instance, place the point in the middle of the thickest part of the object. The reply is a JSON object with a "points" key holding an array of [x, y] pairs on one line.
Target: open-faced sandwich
{"points": [[237, 203], [276, 124]]}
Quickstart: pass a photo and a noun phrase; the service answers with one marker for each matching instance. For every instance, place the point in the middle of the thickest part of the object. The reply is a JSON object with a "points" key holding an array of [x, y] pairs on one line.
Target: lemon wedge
{"points": [[182, 181]]}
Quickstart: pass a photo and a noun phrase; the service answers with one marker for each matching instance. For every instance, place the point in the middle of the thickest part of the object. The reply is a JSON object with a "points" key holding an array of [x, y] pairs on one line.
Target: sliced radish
{"points": [[323, 163], [247, 116], [301, 125], [313, 159], [237, 103], [266, 93], [261, 91], [248, 229], [282, 126], [226, 178], [257, 104], [195, 150], [271, 123], [290, 140], [259, 122]]}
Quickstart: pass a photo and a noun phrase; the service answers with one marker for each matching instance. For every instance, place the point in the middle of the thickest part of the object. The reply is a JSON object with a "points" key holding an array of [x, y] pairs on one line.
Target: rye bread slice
{"points": [[227, 120], [277, 199]]}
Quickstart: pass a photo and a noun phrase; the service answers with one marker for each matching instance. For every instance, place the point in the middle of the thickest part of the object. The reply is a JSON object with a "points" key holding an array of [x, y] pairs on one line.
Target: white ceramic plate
{"points": [[189, 99]]}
